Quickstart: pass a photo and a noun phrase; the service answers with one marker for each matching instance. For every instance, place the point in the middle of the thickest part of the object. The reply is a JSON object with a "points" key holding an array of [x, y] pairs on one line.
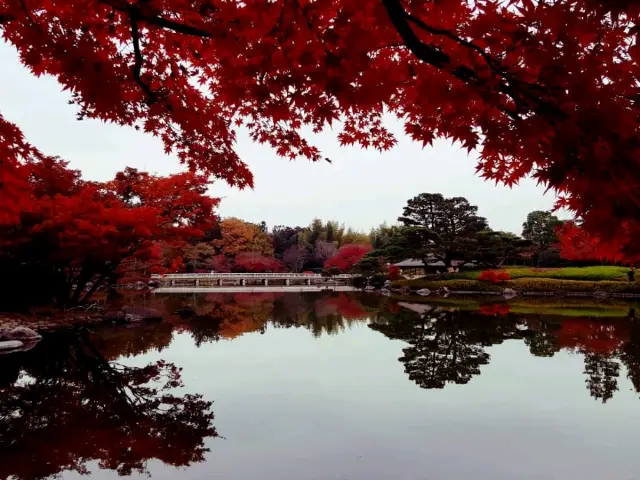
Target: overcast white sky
{"points": [[361, 188]]}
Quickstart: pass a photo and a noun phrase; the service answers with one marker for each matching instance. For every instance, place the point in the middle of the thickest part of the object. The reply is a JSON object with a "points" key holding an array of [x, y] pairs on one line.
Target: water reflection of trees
{"points": [[226, 316], [65, 404], [449, 346]]}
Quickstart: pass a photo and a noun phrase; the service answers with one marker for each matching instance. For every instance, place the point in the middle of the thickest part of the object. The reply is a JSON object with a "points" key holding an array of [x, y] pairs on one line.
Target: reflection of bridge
{"points": [[245, 279]]}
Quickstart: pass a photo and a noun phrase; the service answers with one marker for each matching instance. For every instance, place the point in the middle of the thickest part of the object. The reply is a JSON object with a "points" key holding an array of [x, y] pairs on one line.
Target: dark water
{"points": [[331, 387]]}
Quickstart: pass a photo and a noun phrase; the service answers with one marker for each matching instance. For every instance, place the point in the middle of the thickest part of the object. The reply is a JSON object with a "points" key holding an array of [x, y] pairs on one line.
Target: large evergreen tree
{"points": [[441, 228]]}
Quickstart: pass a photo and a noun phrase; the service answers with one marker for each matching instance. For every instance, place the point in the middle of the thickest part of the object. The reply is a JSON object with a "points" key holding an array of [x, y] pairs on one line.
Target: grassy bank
{"points": [[595, 274], [524, 285]]}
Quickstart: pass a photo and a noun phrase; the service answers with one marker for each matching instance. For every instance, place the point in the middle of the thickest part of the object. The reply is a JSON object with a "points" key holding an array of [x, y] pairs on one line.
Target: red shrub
{"points": [[494, 276], [393, 272]]}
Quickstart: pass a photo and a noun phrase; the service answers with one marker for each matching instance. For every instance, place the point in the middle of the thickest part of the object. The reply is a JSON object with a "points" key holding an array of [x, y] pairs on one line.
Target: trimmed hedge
{"points": [[523, 285]]}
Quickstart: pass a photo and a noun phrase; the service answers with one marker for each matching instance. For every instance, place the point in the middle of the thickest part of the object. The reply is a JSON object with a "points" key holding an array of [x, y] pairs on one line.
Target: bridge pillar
{"points": [[307, 281], [197, 282], [265, 282], [173, 283], [219, 282], [287, 282], [243, 282]]}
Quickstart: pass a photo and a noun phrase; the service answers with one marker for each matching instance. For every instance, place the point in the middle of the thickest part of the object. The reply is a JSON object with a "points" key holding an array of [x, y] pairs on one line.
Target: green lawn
{"points": [[569, 273]]}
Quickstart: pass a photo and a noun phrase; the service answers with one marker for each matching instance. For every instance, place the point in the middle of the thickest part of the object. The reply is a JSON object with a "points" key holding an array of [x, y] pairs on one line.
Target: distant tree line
{"points": [[431, 228]]}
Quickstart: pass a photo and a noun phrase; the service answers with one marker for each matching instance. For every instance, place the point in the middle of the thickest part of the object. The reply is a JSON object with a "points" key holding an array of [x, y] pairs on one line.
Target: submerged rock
{"points": [[22, 333], [9, 346], [114, 316], [132, 318], [145, 314]]}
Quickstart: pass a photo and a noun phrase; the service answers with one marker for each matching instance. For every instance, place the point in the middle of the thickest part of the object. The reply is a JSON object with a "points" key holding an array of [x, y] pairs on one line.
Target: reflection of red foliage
{"points": [[590, 336], [248, 299], [347, 306], [494, 276], [393, 307], [495, 309], [347, 257]]}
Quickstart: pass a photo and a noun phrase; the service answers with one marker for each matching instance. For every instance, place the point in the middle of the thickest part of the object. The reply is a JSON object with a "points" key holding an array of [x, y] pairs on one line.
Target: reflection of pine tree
{"points": [[76, 406], [443, 348], [630, 354], [602, 372]]}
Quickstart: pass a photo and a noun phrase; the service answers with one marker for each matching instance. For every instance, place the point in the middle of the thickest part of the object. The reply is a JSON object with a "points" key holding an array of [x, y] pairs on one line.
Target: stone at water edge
{"points": [[4, 331], [131, 318], [146, 314], [10, 345], [23, 333], [114, 316], [425, 292], [509, 293]]}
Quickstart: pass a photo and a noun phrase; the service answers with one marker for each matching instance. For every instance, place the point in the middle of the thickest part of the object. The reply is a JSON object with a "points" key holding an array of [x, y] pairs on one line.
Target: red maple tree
{"points": [[542, 88], [78, 234], [575, 243], [254, 262], [347, 257]]}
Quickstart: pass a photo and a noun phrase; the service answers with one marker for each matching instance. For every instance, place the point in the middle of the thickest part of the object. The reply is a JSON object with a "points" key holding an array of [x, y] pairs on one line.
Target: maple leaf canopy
{"points": [[539, 88]]}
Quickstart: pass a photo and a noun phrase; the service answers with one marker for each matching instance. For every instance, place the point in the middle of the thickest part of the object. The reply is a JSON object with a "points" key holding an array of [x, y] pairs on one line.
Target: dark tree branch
{"points": [[176, 26], [521, 93], [137, 68]]}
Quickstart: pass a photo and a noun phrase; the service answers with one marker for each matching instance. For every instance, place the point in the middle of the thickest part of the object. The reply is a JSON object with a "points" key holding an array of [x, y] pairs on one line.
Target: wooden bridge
{"points": [[208, 280]]}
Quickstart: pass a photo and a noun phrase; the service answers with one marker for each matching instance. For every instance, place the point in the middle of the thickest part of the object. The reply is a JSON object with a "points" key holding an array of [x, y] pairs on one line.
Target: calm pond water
{"points": [[331, 387]]}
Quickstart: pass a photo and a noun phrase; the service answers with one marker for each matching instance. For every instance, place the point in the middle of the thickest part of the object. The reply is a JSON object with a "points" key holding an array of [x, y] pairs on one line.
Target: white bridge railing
{"points": [[176, 276]]}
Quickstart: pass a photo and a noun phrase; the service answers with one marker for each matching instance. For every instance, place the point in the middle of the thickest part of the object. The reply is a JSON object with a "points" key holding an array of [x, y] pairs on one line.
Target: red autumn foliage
{"points": [[76, 233], [221, 264], [494, 276], [347, 257], [254, 262], [517, 81], [575, 243], [393, 273]]}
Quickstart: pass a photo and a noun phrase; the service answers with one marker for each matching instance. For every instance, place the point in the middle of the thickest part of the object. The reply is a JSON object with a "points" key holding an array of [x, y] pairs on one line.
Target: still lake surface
{"points": [[331, 387]]}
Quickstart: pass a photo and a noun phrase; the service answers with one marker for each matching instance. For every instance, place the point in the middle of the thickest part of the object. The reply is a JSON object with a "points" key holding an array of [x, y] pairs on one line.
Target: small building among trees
{"points": [[415, 266]]}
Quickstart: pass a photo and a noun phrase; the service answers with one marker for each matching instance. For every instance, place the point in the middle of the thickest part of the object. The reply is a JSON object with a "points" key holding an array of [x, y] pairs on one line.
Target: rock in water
{"points": [[146, 314], [10, 346], [509, 293], [4, 331], [23, 333], [132, 318], [114, 316]]}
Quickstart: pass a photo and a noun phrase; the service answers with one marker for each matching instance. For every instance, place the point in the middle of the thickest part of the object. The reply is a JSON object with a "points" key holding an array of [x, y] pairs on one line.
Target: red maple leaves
{"points": [[542, 88], [347, 257], [575, 243], [494, 276], [87, 232]]}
